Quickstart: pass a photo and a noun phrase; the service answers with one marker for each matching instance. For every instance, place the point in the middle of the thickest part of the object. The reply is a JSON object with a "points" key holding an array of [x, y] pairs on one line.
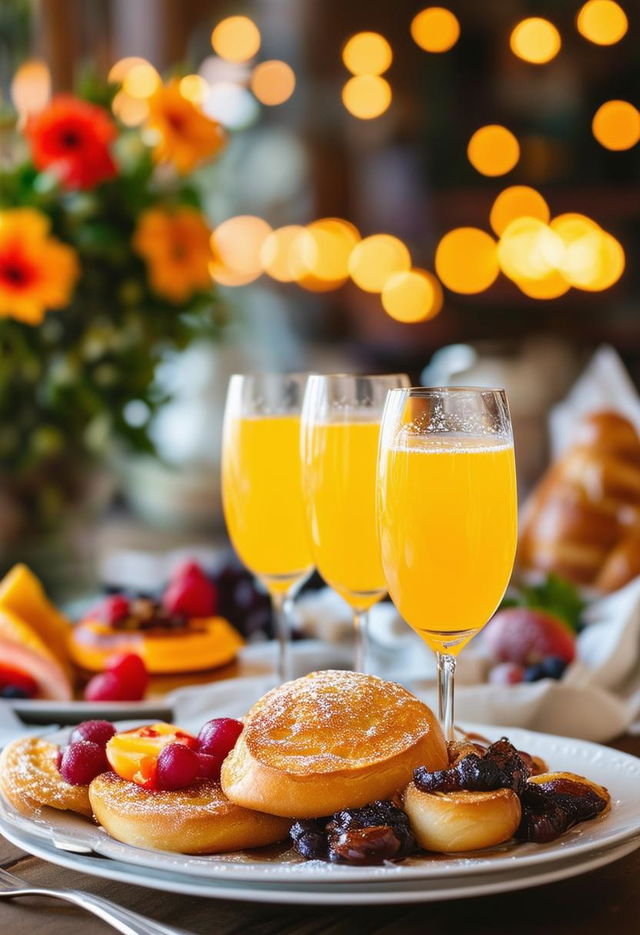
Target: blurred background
{"points": [[191, 188]]}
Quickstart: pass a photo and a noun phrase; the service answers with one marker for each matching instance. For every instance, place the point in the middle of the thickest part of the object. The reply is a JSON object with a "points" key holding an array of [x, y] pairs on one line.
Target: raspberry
{"points": [[209, 766], [111, 609], [190, 593], [105, 687], [99, 732], [177, 767], [218, 736], [132, 673], [83, 761]]}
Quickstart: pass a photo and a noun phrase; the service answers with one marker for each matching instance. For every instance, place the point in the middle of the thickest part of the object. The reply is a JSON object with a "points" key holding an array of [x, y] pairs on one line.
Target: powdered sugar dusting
{"points": [[29, 773]]}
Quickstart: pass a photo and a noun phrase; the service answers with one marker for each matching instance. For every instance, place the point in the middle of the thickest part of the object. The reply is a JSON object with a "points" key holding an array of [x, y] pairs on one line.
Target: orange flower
{"points": [[186, 134], [175, 246], [37, 272], [71, 138]]}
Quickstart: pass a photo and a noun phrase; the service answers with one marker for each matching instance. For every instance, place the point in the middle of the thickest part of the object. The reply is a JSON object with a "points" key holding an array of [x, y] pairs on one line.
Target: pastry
{"points": [[328, 741], [461, 820], [30, 778]]}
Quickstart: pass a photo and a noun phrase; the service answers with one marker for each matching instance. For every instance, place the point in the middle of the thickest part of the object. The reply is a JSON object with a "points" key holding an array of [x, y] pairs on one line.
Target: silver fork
{"points": [[121, 919]]}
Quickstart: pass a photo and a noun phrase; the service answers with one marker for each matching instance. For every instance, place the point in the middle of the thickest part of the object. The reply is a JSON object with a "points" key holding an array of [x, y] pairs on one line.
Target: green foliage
{"points": [[555, 595]]}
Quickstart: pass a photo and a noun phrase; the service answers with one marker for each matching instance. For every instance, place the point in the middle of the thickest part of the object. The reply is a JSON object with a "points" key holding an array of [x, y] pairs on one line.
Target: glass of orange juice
{"points": [[447, 515], [262, 488], [339, 442]]}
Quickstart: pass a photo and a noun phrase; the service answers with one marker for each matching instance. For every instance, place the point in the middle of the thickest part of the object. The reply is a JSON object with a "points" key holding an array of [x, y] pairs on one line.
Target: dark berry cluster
{"points": [[501, 767], [367, 835]]}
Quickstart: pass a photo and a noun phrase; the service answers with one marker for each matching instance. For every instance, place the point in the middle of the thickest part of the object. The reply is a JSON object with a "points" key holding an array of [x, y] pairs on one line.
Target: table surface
{"points": [[605, 900]]}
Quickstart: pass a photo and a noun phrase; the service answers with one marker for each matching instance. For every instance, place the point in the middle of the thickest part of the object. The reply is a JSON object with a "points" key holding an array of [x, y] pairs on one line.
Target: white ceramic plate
{"points": [[618, 771]]}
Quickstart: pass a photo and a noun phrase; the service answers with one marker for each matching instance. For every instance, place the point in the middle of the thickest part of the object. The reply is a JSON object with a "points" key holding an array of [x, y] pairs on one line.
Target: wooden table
{"points": [[600, 902]]}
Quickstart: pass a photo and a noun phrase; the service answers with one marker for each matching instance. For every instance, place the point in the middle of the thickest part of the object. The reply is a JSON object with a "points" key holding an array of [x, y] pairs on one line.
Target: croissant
{"points": [[583, 519]]}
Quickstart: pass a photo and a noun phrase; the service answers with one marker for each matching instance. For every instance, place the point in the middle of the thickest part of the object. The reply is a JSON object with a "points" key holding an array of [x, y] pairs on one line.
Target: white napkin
{"points": [[11, 727]]}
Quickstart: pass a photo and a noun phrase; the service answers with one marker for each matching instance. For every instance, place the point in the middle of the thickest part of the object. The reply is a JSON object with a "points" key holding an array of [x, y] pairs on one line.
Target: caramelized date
{"points": [[364, 845], [551, 808], [501, 767], [309, 838], [371, 834], [513, 769]]}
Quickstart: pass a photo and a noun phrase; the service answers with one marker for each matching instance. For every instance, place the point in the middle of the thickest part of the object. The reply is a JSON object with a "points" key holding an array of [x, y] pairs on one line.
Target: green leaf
{"points": [[557, 596]]}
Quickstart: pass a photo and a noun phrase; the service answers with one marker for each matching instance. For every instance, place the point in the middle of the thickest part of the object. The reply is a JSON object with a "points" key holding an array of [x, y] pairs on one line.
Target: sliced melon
{"points": [[22, 594], [51, 679]]}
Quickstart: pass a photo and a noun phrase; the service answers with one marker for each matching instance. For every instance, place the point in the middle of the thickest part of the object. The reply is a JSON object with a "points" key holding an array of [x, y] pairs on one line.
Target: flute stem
{"points": [[446, 680], [361, 649], [282, 610]]}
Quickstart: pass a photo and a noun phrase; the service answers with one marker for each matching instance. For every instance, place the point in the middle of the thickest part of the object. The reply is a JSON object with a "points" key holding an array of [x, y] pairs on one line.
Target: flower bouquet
{"points": [[104, 268]]}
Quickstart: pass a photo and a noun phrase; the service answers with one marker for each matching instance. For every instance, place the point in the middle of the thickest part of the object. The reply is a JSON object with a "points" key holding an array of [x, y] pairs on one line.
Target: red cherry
{"points": [[11, 677], [106, 687], [218, 736], [177, 767], [132, 673], [83, 761], [191, 595], [111, 609], [186, 570], [99, 732], [209, 766]]}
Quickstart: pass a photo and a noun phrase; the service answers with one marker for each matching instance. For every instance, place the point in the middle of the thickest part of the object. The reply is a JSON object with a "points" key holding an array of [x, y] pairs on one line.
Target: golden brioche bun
{"points": [[196, 820], [448, 822], [29, 778], [328, 741]]}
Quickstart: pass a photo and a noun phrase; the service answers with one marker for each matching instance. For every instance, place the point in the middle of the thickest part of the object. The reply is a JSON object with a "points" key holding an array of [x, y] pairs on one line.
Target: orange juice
{"points": [[262, 497], [448, 529], [340, 487]]}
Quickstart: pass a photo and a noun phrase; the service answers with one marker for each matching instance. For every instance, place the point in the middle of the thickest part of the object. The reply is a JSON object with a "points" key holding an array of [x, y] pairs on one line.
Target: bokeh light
{"points": [[616, 125], [592, 259], [551, 286], [412, 296], [367, 53], [31, 87], [375, 259], [236, 39], [120, 69], [325, 251], [493, 150], [535, 40], [602, 21], [131, 111], [141, 81], [435, 29], [366, 96], [517, 201], [466, 260], [281, 253], [529, 249], [236, 245], [194, 88], [273, 82]]}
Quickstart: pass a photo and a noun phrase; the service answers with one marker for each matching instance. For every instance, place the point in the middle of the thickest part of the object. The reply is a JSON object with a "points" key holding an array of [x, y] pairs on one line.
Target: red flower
{"points": [[71, 138]]}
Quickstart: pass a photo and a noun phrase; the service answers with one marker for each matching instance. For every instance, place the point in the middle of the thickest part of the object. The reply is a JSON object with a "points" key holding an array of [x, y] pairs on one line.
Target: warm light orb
{"points": [[602, 21], [535, 40], [529, 250], [120, 69], [131, 111], [411, 296], [616, 125], [517, 201], [466, 260], [367, 53], [435, 29], [281, 253], [141, 80], [376, 258], [592, 259], [236, 245], [236, 39], [194, 88], [551, 286], [273, 82], [366, 96], [31, 87], [326, 249], [493, 150]]}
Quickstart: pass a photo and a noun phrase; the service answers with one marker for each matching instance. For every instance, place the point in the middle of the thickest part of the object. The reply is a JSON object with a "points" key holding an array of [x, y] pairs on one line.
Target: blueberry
{"points": [[534, 673], [553, 667], [12, 691]]}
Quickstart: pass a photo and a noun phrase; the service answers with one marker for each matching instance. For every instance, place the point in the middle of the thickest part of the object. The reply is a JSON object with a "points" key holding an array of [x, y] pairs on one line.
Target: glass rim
{"points": [[444, 390], [361, 376], [272, 373]]}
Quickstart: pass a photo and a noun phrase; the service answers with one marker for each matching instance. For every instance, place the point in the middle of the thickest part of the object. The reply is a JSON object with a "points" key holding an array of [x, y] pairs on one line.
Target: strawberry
{"points": [[190, 593], [113, 608], [526, 636]]}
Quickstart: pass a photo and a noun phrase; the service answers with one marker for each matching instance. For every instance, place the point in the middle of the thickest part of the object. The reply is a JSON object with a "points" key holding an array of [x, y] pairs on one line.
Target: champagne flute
{"points": [[262, 489], [447, 516], [340, 433]]}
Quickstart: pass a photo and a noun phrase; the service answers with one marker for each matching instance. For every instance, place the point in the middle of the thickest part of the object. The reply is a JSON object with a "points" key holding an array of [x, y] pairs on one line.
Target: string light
{"points": [[493, 150], [616, 125], [273, 82], [529, 250], [31, 87], [435, 29], [367, 53], [602, 21], [466, 260], [281, 253], [236, 245], [551, 286], [236, 39], [366, 96], [412, 296], [120, 69], [325, 251], [375, 259], [130, 111], [194, 88], [517, 201], [535, 40]]}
